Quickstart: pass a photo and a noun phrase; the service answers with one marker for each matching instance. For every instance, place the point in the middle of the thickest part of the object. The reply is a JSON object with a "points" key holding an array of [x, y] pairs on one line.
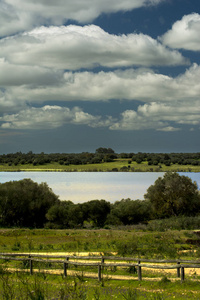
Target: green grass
{"points": [[47, 240], [126, 241], [42, 286], [102, 167], [19, 285]]}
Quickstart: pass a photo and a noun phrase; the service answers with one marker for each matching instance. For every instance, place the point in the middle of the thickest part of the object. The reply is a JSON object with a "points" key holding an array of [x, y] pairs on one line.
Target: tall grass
{"points": [[159, 245], [159, 238], [41, 286]]}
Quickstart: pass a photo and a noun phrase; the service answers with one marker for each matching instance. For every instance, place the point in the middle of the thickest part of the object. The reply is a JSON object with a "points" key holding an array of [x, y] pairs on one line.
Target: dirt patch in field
{"points": [[67, 253]]}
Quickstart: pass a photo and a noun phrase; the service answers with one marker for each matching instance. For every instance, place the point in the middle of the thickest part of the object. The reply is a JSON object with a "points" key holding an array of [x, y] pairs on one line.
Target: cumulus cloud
{"points": [[75, 47], [48, 117], [16, 75], [159, 116], [132, 120], [21, 15], [132, 84], [169, 102], [184, 33]]}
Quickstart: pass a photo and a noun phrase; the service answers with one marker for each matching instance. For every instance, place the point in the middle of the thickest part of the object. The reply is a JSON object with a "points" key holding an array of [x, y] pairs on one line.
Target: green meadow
{"points": [[121, 165], [44, 286], [124, 242], [137, 240]]}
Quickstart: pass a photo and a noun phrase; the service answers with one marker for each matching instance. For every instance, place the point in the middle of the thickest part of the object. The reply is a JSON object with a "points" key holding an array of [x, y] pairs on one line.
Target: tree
{"points": [[174, 195], [64, 214], [105, 151], [95, 212], [129, 211], [58, 215], [25, 203]]}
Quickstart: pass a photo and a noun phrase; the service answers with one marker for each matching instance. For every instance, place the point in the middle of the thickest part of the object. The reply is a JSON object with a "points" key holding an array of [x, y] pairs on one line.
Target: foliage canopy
{"points": [[174, 195], [25, 203]]}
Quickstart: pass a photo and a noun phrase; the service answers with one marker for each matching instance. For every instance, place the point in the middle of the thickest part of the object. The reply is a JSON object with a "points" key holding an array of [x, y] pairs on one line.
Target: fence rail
{"points": [[139, 263]]}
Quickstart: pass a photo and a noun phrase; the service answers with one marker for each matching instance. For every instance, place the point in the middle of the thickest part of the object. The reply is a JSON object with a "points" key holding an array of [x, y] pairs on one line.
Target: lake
{"points": [[85, 186]]}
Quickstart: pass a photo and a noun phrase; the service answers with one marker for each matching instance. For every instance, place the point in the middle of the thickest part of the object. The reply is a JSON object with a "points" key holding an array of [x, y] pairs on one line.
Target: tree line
{"points": [[19, 158], [25, 203], [100, 155]]}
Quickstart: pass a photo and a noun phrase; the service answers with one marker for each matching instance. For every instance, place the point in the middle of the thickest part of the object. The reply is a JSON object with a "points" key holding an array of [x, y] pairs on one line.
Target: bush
{"points": [[174, 223], [156, 245]]}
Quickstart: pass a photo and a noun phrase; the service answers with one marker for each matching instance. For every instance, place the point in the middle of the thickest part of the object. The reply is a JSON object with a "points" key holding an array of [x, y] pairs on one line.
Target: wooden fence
{"points": [[136, 263]]}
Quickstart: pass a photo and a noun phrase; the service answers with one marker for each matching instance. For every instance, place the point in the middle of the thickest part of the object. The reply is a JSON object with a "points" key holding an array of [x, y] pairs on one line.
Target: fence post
{"points": [[102, 261], [99, 272], [178, 269], [182, 274], [65, 266], [139, 271], [31, 266]]}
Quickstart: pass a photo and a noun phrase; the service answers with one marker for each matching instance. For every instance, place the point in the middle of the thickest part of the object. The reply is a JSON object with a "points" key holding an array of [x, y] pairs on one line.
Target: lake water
{"points": [[85, 186]]}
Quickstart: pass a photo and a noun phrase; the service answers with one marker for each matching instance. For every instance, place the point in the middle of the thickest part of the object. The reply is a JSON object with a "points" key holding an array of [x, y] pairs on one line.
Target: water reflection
{"points": [[85, 186]]}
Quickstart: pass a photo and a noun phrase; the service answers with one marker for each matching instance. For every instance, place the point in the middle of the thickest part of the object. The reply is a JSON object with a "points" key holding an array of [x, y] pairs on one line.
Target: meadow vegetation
{"points": [[126, 241], [42, 286], [64, 240], [141, 241], [103, 160]]}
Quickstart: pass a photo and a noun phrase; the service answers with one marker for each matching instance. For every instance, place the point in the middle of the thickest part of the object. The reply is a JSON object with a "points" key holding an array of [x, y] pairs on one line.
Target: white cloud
{"points": [[75, 47], [22, 15], [132, 120], [16, 75], [49, 117], [169, 129], [159, 116], [184, 33], [169, 102], [140, 84]]}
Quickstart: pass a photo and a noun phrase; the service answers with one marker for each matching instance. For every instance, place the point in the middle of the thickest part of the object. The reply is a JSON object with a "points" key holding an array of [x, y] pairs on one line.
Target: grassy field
{"points": [[102, 167], [140, 243], [43, 286], [149, 243]]}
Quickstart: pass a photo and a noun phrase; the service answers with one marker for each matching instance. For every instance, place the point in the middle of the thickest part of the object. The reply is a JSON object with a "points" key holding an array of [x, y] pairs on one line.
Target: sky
{"points": [[79, 75]]}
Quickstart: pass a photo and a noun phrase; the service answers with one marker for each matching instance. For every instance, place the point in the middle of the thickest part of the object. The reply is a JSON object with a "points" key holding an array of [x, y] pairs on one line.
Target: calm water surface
{"points": [[84, 186]]}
